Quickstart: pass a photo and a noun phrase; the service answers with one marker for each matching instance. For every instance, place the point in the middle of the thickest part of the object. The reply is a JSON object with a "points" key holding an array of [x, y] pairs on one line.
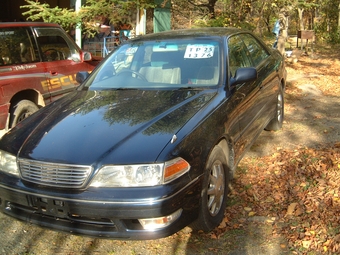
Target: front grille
{"points": [[54, 174]]}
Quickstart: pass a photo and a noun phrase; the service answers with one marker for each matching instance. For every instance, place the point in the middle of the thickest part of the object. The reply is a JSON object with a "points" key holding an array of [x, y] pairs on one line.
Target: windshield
{"points": [[160, 64]]}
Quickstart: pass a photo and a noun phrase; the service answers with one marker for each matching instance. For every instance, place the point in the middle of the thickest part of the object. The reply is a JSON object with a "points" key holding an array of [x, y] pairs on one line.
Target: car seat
{"points": [[162, 69]]}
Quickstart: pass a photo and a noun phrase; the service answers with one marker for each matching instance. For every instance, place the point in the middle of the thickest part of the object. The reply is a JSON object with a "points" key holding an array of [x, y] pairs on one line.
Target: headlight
{"points": [[140, 175], [8, 163]]}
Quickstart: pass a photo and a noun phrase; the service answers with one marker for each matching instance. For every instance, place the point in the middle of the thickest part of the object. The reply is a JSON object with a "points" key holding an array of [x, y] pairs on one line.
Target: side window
{"points": [[55, 45], [16, 46], [257, 52], [238, 55]]}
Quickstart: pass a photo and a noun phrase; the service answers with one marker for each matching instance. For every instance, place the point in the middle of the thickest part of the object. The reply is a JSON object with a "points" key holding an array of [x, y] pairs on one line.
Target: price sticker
{"points": [[199, 51]]}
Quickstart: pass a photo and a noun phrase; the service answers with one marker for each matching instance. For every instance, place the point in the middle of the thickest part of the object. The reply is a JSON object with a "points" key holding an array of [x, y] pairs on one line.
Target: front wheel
{"points": [[276, 122], [214, 193], [21, 111]]}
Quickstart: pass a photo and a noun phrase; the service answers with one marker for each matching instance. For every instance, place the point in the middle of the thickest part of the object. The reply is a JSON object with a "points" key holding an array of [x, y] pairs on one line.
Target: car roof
{"points": [[193, 32], [27, 24]]}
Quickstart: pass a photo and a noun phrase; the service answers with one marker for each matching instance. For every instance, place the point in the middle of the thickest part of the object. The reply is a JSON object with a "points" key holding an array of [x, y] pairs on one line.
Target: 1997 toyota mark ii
{"points": [[149, 141]]}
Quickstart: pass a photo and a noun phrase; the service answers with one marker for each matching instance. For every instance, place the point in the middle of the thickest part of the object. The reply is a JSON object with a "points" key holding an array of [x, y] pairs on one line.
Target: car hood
{"points": [[110, 126]]}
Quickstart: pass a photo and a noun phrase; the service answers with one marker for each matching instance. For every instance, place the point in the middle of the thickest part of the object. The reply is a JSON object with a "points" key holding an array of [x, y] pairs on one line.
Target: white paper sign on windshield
{"points": [[199, 51], [131, 50]]}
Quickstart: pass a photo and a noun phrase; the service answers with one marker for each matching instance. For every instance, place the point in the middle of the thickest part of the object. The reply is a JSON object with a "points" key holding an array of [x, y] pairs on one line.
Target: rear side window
{"points": [[16, 46], [257, 52], [54, 44]]}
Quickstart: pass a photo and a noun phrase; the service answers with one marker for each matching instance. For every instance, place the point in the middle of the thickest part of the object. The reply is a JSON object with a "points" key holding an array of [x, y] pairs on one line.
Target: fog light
{"points": [[161, 222]]}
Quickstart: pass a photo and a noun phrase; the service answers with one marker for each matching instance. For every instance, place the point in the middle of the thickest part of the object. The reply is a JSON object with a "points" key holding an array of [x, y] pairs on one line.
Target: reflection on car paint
{"points": [[59, 82]]}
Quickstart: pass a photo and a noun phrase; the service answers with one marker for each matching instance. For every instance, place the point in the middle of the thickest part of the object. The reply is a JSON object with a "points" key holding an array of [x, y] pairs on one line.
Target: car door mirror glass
{"points": [[86, 56]]}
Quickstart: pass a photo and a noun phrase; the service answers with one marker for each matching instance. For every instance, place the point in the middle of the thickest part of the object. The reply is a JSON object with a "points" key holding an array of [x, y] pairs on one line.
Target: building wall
{"points": [[10, 9]]}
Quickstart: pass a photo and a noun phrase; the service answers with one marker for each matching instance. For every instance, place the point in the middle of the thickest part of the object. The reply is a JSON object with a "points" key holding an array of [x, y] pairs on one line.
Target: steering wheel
{"points": [[57, 52], [139, 75]]}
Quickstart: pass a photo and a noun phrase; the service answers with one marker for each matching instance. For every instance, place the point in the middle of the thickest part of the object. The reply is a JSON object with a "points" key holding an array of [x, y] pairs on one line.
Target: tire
{"points": [[21, 111], [214, 192], [276, 122]]}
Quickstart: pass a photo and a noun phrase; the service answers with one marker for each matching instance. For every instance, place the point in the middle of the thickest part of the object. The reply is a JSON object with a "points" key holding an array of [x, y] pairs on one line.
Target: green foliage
{"points": [[89, 16], [321, 16], [331, 38], [224, 21], [37, 11], [327, 27]]}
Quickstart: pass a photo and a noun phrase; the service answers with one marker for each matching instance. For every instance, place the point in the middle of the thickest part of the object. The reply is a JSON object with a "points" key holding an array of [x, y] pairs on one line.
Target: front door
{"points": [[61, 60]]}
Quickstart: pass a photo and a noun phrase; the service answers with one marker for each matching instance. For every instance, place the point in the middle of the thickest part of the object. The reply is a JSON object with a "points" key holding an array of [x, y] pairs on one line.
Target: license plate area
{"points": [[47, 206]]}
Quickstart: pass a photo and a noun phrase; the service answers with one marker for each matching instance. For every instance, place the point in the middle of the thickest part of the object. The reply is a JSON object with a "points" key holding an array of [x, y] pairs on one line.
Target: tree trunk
{"points": [[300, 11], [283, 34], [339, 17], [211, 8]]}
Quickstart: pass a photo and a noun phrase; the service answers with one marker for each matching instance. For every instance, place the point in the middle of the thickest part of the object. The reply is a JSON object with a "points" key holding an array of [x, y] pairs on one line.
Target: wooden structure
{"points": [[305, 34]]}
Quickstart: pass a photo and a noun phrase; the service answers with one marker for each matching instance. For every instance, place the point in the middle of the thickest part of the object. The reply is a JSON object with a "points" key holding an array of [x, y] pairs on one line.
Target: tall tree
{"points": [[91, 13], [208, 5]]}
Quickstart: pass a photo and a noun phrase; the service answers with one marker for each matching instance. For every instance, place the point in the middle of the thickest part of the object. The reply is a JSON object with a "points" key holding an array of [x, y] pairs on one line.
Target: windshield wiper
{"points": [[191, 88], [123, 88]]}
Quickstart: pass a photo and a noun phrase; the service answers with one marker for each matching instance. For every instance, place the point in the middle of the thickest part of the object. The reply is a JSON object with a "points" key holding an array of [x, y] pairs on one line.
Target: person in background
{"points": [[283, 32], [276, 31]]}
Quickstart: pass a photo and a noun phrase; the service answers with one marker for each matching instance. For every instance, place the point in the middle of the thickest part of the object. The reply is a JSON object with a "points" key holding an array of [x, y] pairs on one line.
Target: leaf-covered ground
{"points": [[297, 191]]}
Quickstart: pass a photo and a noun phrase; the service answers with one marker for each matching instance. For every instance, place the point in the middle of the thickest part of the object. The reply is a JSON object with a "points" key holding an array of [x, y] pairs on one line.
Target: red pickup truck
{"points": [[38, 64]]}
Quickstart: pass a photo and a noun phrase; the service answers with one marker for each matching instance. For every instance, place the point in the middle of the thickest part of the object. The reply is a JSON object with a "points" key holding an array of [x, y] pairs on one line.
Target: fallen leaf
{"points": [[291, 208], [299, 211], [250, 214], [306, 244]]}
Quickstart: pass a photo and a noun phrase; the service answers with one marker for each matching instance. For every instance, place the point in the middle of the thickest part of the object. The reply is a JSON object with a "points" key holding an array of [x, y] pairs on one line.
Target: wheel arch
{"points": [[206, 221], [225, 144], [28, 94]]}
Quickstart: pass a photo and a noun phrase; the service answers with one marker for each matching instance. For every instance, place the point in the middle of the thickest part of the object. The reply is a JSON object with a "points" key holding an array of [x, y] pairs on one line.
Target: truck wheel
{"points": [[21, 111], [214, 192]]}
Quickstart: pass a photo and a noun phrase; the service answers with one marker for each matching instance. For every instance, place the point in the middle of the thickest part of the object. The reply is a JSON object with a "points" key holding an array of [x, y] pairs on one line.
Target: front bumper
{"points": [[103, 213]]}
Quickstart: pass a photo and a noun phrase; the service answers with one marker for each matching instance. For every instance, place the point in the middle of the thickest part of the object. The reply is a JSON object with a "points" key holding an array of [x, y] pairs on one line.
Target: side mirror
{"points": [[81, 77], [243, 74], [86, 56]]}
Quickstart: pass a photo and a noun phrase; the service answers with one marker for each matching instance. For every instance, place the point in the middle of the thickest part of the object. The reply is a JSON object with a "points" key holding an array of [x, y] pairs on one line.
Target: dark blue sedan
{"points": [[149, 142]]}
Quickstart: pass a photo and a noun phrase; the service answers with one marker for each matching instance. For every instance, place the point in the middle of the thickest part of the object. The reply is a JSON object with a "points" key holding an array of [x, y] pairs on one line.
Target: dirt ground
{"points": [[312, 120]]}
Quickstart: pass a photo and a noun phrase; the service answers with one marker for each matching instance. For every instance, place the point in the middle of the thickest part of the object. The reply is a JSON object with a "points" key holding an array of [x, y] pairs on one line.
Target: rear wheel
{"points": [[214, 193], [276, 122], [21, 111]]}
